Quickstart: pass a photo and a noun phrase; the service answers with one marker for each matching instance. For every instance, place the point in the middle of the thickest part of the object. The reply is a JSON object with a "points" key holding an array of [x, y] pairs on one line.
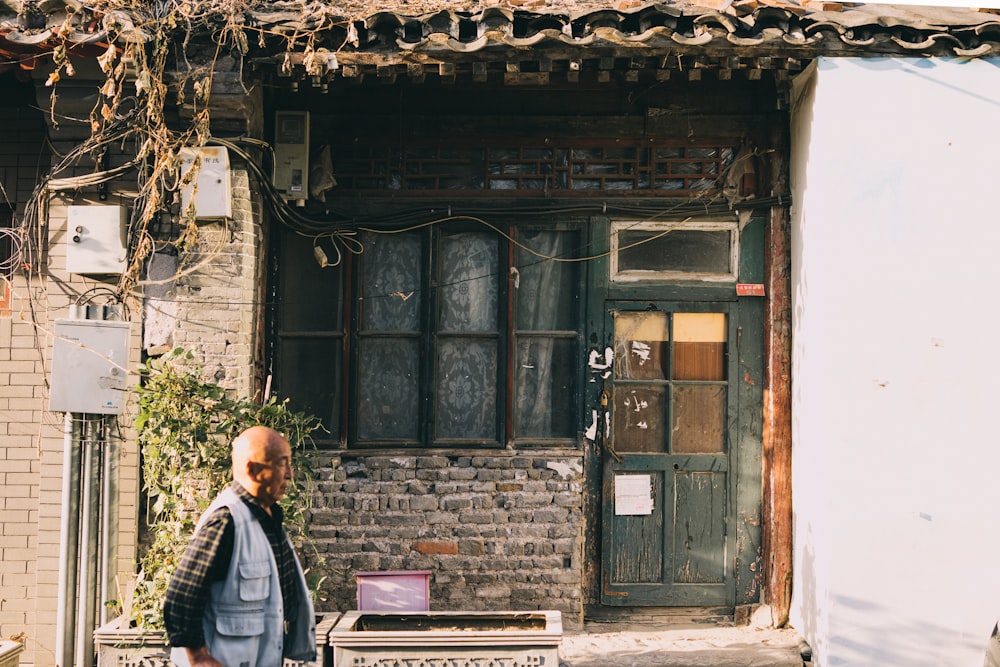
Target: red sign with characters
{"points": [[749, 289]]}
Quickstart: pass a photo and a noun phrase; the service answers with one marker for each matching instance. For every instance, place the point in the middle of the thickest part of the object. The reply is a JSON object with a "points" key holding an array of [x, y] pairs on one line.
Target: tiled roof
{"points": [[374, 34]]}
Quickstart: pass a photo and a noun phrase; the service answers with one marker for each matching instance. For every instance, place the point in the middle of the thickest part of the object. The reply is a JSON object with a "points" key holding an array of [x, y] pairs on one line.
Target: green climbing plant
{"points": [[185, 427]]}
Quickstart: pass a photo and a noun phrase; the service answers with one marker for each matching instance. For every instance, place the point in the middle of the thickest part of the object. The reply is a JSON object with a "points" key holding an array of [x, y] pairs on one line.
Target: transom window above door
{"points": [[439, 337], [680, 250]]}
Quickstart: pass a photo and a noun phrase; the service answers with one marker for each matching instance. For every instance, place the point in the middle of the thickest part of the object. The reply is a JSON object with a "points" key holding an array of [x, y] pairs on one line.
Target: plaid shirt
{"points": [[206, 560]]}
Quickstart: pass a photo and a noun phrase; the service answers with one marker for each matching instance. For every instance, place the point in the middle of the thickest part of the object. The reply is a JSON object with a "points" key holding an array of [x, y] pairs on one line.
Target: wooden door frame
{"points": [[776, 535]]}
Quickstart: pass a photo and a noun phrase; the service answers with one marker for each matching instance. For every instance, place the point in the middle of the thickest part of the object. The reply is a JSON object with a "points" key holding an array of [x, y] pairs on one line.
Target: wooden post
{"points": [[777, 446]]}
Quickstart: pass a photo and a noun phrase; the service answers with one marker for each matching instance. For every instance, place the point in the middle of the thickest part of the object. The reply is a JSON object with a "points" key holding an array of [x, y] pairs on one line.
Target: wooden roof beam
{"points": [[447, 72], [573, 68], [415, 71]]}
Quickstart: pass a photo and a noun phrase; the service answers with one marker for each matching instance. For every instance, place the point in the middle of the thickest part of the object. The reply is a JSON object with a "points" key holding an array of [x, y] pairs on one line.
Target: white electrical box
{"points": [[96, 239], [291, 155], [89, 367], [211, 186]]}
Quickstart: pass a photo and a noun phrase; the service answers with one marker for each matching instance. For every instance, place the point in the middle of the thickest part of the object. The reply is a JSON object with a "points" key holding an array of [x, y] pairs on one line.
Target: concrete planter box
{"points": [[447, 639], [10, 652], [117, 647]]}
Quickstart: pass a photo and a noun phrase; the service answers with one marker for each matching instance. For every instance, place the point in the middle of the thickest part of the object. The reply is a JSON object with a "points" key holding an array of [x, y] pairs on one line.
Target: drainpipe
{"points": [[68, 537]]}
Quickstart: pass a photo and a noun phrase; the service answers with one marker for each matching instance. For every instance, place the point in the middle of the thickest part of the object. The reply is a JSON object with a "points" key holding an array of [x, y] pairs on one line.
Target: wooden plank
{"points": [[447, 72], [599, 339], [700, 538], [526, 78], [638, 543]]}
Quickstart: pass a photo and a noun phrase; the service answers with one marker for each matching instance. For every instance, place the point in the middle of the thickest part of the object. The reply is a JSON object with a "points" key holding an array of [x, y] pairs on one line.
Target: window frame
{"points": [[656, 227], [506, 338]]}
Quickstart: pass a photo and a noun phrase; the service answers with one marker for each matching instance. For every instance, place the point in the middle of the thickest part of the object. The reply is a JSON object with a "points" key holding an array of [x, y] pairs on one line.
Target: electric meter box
{"points": [[211, 187], [291, 155], [96, 239], [89, 367]]}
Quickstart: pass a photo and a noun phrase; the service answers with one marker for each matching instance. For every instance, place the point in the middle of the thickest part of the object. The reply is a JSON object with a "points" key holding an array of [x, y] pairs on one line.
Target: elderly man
{"points": [[238, 597]]}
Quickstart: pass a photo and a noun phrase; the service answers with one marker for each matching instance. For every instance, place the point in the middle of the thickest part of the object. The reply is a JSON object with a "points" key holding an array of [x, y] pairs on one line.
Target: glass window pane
{"points": [[547, 292], [308, 374], [391, 294], [687, 250], [699, 346], [310, 296], [466, 393], [641, 346], [469, 282], [639, 417], [388, 399], [544, 379], [699, 414]]}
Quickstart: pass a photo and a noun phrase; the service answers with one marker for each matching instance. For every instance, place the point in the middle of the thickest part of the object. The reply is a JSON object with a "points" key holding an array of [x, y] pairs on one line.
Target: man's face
{"points": [[274, 473]]}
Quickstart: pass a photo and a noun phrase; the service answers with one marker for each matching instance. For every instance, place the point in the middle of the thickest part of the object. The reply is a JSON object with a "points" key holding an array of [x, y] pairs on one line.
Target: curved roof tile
{"points": [[786, 28]]}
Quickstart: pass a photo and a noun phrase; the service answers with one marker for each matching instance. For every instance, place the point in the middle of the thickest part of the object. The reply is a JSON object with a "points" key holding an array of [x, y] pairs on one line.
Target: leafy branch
{"points": [[185, 429]]}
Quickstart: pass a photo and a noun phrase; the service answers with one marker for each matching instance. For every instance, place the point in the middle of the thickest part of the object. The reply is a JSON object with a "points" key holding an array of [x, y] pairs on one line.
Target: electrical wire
{"points": [[342, 229]]}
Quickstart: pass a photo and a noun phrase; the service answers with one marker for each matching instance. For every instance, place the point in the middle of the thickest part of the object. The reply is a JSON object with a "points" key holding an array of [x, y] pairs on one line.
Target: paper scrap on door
{"points": [[633, 494]]}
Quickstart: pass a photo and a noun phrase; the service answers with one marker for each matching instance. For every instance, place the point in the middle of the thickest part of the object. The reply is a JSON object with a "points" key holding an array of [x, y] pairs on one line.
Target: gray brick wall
{"points": [[216, 295], [499, 531]]}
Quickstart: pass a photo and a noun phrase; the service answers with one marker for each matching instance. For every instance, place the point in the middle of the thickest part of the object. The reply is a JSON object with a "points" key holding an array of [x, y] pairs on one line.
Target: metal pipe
{"points": [[109, 519], [68, 538], [88, 548]]}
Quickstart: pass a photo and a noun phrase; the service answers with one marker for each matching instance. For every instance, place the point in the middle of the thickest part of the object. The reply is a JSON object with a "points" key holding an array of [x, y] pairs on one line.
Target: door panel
{"points": [[639, 556], [698, 533], [667, 498]]}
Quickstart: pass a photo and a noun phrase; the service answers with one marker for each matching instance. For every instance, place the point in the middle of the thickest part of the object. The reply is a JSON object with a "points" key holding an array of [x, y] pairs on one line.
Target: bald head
{"points": [[262, 464]]}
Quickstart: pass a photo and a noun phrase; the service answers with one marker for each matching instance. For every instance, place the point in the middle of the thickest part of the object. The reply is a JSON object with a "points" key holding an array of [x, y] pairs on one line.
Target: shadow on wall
{"points": [[806, 592], [863, 633], [866, 634]]}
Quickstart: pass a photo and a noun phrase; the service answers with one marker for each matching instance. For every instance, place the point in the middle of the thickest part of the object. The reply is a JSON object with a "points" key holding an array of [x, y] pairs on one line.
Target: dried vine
{"points": [[158, 58]]}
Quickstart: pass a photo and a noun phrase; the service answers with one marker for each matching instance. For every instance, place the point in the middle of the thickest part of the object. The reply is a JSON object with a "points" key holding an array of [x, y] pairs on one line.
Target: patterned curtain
{"points": [[466, 392], [546, 295], [388, 365]]}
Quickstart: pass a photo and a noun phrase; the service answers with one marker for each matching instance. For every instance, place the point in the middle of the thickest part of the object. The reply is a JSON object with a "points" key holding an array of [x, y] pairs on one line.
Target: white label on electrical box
{"points": [[211, 188], [95, 239], [89, 367]]}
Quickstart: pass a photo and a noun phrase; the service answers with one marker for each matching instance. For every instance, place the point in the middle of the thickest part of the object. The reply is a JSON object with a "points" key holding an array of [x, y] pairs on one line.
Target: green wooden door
{"points": [[667, 489]]}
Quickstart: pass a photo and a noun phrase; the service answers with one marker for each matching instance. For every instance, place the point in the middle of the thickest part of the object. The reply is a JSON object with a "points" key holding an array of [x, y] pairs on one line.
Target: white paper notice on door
{"points": [[633, 494]]}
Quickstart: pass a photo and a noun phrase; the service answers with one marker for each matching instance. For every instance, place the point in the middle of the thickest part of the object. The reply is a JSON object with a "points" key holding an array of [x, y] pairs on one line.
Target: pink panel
{"points": [[394, 591]]}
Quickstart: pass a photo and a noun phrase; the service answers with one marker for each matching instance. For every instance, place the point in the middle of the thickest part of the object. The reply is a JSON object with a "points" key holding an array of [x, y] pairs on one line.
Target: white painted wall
{"points": [[896, 362]]}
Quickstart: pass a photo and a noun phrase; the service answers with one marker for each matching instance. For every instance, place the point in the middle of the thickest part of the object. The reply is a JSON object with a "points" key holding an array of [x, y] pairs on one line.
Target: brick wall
{"points": [[32, 438], [499, 531], [62, 290], [22, 390], [216, 295]]}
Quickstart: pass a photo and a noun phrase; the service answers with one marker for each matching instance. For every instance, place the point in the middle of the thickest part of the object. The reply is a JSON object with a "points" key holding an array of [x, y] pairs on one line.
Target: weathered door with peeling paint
{"points": [[668, 500]]}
